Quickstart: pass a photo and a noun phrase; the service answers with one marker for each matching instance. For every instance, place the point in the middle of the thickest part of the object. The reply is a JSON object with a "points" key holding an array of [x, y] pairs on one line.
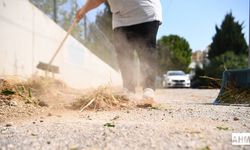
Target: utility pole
{"points": [[249, 41], [85, 27], [55, 10]]}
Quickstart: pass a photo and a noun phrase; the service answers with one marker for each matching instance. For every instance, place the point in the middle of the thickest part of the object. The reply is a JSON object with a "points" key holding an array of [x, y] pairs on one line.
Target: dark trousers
{"points": [[142, 39]]}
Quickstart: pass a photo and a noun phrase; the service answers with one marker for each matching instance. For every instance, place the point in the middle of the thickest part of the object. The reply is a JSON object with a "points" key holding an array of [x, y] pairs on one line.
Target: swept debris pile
{"points": [[234, 95], [32, 91], [23, 98], [15, 90], [103, 98]]}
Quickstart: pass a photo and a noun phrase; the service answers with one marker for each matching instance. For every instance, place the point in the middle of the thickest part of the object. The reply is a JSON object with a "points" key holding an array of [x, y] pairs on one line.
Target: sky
{"points": [[195, 20]]}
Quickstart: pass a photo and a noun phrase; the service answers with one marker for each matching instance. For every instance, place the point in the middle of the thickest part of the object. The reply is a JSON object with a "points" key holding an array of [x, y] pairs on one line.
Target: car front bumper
{"points": [[184, 84]]}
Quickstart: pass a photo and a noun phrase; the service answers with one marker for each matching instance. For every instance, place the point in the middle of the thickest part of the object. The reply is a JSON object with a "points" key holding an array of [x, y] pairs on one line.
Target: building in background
{"points": [[198, 59], [198, 56]]}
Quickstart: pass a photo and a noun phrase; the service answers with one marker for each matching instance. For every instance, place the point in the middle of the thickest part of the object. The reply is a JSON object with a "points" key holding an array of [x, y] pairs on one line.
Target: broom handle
{"points": [[61, 44]]}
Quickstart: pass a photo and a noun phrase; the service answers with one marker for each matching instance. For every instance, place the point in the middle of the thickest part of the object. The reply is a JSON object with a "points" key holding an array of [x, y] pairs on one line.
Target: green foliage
{"points": [[67, 18], [222, 128], [198, 81], [110, 125], [228, 37], [7, 92], [99, 37], [226, 61], [104, 21], [47, 6], [65, 15], [228, 50], [174, 53], [216, 67]]}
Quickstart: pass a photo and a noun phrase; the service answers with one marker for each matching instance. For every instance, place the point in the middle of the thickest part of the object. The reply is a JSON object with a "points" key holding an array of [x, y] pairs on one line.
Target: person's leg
{"points": [[149, 67], [145, 38], [125, 58]]}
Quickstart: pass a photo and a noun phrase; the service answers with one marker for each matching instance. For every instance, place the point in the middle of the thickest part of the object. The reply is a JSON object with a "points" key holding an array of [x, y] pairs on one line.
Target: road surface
{"points": [[184, 120]]}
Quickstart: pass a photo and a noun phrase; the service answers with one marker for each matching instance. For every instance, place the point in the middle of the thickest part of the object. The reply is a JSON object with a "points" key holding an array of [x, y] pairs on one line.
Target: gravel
{"points": [[184, 120]]}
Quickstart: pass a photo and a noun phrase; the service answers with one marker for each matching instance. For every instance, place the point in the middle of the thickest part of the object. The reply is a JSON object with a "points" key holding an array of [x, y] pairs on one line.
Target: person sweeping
{"points": [[135, 24]]}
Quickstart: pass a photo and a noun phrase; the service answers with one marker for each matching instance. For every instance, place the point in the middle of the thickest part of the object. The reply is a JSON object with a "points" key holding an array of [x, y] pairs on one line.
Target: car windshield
{"points": [[176, 74]]}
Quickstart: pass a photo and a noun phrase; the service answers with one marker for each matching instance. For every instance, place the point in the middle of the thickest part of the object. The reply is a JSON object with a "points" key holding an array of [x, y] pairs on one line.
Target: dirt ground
{"points": [[183, 119]]}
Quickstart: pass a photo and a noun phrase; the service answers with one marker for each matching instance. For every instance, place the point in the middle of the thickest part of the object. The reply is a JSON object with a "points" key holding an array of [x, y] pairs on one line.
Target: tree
{"points": [[227, 60], [104, 22], [99, 37], [228, 37], [67, 18], [228, 50], [174, 53], [65, 15], [49, 7]]}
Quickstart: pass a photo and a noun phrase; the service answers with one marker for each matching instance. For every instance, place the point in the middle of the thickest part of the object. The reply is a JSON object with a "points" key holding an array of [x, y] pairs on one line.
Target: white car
{"points": [[176, 79]]}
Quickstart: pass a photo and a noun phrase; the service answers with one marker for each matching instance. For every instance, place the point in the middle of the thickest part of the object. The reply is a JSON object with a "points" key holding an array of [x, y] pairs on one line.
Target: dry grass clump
{"points": [[213, 83], [10, 89], [232, 94], [103, 98], [29, 91]]}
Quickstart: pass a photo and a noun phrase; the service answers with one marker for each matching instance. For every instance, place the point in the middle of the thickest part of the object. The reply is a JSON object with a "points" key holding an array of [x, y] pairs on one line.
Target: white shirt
{"points": [[131, 12]]}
